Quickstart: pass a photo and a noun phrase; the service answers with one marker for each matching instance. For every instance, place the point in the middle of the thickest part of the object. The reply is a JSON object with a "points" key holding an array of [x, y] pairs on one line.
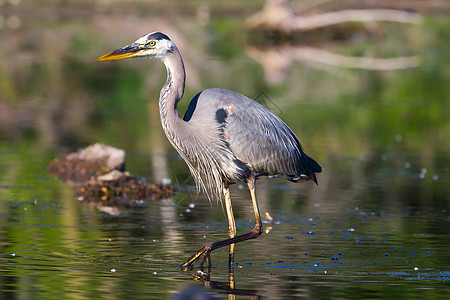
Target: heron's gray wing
{"points": [[255, 136], [262, 140]]}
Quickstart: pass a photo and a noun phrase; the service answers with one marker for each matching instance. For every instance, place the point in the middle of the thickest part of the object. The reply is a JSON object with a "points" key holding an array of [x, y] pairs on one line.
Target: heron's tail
{"points": [[312, 167]]}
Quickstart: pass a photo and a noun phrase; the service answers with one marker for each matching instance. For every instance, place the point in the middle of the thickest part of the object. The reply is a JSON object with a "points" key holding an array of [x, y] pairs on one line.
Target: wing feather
{"points": [[261, 139]]}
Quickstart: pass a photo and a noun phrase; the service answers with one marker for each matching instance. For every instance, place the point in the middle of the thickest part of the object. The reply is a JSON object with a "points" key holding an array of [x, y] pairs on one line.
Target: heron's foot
{"points": [[203, 277], [203, 252]]}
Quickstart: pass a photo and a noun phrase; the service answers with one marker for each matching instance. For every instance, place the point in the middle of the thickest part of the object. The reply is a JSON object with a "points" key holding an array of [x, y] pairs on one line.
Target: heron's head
{"points": [[153, 45]]}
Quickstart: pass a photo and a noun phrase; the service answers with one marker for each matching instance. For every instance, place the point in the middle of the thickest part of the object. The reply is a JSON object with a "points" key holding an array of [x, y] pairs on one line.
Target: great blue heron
{"points": [[224, 137]]}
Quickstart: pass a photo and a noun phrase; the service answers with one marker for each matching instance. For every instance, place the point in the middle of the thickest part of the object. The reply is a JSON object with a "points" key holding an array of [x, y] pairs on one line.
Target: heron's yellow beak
{"points": [[129, 51]]}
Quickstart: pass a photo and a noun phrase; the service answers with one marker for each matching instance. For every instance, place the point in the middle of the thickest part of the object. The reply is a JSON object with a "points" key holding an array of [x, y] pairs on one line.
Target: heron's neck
{"points": [[171, 94]]}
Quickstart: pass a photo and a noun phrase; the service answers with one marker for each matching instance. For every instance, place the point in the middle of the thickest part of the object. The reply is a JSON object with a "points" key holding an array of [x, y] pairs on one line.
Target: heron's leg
{"points": [[208, 262], [251, 187], [231, 232], [257, 231], [231, 223]]}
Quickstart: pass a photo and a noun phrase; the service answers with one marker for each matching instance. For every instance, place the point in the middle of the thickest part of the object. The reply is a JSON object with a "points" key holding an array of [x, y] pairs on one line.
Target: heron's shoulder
{"points": [[211, 101], [220, 98], [208, 101], [218, 91], [223, 95]]}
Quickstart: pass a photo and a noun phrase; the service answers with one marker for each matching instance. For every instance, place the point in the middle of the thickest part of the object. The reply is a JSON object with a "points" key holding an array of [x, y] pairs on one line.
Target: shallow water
{"points": [[56, 246], [376, 226]]}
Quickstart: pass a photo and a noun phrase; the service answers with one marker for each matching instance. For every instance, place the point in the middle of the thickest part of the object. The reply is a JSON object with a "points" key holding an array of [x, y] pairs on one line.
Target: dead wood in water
{"points": [[278, 16]]}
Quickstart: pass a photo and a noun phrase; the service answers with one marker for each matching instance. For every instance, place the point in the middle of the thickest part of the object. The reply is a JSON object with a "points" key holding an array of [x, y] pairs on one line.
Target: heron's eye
{"points": [[151, 43]]}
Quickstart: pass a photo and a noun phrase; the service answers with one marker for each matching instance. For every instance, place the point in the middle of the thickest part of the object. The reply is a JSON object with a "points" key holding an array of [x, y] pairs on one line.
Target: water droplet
{"points": [[310, 232], [416, 268], [188, 210], [154, 273], [435, 177], [113, 270], [13, 254], [334, 257], [191, 205], [407, 165]]}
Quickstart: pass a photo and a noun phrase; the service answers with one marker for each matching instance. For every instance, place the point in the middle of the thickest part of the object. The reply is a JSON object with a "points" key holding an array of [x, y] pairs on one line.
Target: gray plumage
{"points": [[224, 137], [252, 139]]}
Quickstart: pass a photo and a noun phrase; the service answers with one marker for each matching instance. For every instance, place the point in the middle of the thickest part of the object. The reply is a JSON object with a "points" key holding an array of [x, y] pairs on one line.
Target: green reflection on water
{"points": [[376, 134]]}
